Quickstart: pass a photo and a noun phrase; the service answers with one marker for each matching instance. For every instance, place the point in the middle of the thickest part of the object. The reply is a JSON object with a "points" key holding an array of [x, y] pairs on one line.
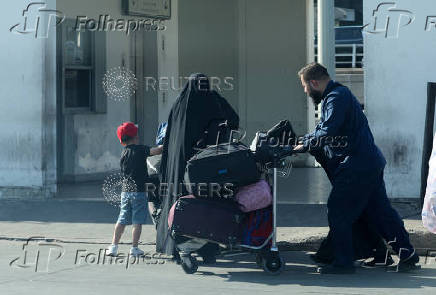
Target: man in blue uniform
{"points": [[355, 166]]}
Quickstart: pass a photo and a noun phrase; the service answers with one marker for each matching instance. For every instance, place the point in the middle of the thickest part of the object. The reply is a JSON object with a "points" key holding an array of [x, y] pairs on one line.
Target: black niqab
{"points": [[189, 117]]}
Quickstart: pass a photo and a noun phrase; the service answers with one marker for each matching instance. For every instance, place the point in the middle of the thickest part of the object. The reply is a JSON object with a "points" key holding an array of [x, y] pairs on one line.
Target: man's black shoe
{"points": [[409, 263], [336, 270], [379, 262]]}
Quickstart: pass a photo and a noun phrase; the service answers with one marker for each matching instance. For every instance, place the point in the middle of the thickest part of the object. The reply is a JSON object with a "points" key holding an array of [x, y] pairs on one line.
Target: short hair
{"points": [[313, 71], [126, 138]]}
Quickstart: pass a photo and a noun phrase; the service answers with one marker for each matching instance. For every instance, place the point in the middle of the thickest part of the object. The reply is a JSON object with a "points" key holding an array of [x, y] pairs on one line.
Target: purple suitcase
{"points": [[214, 220]]}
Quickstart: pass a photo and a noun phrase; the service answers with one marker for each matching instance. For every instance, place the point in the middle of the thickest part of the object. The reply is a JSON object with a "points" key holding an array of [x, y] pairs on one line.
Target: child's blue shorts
{"points": [[133, 209]]}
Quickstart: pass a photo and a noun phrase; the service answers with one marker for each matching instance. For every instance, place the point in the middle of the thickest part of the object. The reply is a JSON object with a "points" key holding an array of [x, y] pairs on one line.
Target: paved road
{"points": [[75, 274]]}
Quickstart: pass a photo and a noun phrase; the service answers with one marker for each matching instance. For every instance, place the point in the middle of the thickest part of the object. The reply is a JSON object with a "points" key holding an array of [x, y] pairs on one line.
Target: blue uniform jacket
{"points": [[342, 139]]}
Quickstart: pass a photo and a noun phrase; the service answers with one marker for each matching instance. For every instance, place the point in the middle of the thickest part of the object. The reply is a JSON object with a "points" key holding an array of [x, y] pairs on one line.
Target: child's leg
{"points": [[136, 233], [139, 216], [118, 232]]}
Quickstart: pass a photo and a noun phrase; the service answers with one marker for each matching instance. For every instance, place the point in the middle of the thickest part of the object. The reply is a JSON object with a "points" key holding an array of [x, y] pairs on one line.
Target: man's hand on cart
{"points": [[299, 149]]}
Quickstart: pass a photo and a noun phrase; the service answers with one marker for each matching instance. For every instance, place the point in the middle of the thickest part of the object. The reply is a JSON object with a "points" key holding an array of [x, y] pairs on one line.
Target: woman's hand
{"points": [[156, 150]]}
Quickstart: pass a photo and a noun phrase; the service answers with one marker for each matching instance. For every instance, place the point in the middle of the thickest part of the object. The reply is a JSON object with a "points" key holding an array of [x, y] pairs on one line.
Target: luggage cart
{"points": [[267, 254]]}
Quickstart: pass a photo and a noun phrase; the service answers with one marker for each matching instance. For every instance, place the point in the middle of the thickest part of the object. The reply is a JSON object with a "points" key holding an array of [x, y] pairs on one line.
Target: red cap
{"points": [[127, 128]]}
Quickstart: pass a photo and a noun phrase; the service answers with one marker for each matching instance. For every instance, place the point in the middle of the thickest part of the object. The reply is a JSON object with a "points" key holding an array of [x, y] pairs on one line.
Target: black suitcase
{"points": [[218, 221], [228, 166]]}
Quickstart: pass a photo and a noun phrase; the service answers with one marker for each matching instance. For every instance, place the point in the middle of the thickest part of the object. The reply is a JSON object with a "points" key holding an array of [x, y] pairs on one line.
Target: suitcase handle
{"points": [[202, 142], [221, 127]]}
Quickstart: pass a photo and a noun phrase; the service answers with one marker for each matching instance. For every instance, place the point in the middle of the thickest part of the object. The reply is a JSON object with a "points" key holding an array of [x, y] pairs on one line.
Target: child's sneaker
{"points": [[112, 250], [135, 251]]}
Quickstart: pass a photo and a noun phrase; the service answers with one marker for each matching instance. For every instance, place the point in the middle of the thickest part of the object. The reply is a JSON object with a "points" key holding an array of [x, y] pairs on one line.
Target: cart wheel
{"points": [[273, 264], [189, 264], [259, 260]]}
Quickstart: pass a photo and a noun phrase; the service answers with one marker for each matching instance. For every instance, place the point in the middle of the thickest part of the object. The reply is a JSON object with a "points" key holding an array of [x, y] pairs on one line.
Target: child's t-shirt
{"points": [[133, 165]]}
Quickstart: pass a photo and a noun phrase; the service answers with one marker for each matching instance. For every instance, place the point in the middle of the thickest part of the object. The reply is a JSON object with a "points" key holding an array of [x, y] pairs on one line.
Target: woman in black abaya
{"points": [[191, 115]]}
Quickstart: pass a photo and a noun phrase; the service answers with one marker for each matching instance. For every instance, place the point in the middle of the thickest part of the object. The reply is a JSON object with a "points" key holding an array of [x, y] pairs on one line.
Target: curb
{"points": [[424, 242]]}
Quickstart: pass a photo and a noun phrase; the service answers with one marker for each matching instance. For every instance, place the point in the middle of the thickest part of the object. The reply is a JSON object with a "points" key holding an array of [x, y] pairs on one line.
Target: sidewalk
{"points": [[301, 227]]}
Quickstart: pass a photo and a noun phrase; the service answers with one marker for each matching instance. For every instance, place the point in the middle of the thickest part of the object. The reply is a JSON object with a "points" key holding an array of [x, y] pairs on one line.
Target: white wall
{"points": [[22, 61], [396, 74]]}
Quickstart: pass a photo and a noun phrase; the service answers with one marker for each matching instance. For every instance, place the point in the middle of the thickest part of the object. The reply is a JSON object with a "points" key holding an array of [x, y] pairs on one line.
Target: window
{"points": [[81, 67]]}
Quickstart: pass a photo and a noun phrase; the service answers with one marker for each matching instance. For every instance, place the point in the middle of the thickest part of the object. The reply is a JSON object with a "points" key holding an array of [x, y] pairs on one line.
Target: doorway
{"points": [[144, 107], [80, 95]]}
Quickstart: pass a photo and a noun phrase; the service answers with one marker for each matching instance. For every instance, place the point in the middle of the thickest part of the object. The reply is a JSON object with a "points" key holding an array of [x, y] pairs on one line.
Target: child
{"points": [[133, 208]]}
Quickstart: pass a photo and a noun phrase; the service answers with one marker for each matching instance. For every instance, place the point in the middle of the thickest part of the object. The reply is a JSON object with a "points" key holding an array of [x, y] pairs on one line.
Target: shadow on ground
{"points": [[300, 271]]}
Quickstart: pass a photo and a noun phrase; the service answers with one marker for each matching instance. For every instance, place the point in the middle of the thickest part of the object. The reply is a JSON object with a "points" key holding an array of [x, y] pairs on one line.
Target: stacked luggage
{"points": [[230, 204], [224, 182]]}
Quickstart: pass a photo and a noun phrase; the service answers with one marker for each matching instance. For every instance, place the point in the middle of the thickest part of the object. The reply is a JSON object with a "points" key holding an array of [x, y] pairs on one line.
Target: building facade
{"points": [[399, 65], [59, 123]]}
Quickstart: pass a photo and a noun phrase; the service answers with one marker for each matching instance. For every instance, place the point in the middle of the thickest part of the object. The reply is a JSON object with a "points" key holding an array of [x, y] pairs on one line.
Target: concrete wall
{"points": [[197, 40], [396, 74], [273, 48], [28, 102], [260, 44], [208, 42], [353, 79]]}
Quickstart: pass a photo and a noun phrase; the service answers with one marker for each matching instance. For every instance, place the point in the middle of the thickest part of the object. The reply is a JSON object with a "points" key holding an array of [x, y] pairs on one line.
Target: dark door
{"points": [[144, 105]]}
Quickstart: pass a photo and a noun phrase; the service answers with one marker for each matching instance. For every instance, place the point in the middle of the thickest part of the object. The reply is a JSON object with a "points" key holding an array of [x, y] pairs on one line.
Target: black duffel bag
{"points": [[219, 170]]}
